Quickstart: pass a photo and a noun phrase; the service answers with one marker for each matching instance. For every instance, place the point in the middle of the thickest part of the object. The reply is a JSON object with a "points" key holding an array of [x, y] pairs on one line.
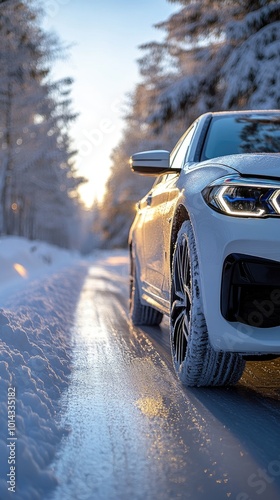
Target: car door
{"points": [[152, 237]]}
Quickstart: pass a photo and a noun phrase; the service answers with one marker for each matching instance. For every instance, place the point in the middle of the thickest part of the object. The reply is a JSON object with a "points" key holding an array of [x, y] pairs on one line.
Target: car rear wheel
{"points": [[140, 314], [195, 361]]}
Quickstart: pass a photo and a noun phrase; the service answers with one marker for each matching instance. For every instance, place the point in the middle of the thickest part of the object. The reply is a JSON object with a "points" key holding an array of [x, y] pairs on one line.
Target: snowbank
{"points": [[22, 260], [39, 289]]}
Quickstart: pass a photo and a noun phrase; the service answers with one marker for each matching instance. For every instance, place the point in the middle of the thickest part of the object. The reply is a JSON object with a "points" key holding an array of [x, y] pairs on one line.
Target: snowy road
{"points": [[90, 407], [136, 433]]}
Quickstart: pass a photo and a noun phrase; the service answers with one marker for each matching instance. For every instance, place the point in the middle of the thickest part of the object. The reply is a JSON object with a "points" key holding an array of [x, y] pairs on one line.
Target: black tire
{"points": [[139, 313], [195, 361]]}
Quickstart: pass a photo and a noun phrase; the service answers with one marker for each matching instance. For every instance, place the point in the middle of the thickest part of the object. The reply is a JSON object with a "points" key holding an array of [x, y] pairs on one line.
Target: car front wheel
{"points": [[195, 361]]}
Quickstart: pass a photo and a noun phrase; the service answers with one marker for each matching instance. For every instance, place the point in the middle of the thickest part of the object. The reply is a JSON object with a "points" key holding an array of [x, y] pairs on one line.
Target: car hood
{"points": [[266, 164]]}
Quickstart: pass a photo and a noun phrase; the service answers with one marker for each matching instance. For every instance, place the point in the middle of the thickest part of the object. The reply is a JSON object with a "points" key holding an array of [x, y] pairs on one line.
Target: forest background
{"points": [[215, 55]]}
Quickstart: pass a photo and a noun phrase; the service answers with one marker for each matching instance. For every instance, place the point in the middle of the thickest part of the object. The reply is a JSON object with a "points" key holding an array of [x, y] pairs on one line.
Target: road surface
{"points": [[137, 433]]}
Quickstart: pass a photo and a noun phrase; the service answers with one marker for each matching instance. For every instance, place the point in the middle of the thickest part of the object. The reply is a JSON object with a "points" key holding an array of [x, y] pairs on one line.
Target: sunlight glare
{"points": [[21, 270]]}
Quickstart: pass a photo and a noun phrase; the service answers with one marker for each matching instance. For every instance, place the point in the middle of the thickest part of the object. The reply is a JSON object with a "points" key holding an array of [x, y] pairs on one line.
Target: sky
{"points": [[104, 39]]}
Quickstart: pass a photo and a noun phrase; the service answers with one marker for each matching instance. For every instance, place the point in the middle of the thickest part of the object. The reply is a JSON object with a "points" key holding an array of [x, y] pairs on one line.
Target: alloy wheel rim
{"points": [[181, 301]]}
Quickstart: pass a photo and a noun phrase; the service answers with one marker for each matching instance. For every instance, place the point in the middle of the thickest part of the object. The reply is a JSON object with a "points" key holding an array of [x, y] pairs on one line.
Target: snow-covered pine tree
{"points": [[226, 54], [37, 171], [55, 181]]}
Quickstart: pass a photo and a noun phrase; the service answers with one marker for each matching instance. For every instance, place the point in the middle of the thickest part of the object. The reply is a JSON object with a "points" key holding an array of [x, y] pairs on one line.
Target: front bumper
{"points": [[240, 281]]}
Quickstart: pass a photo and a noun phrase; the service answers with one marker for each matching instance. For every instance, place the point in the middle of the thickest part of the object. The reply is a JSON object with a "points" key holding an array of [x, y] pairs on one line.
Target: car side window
{"points": [[180, 152]]}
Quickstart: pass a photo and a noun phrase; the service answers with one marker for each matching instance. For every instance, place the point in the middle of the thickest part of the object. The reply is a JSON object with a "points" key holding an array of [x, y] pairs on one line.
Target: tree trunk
{"points": [[5, 194]]}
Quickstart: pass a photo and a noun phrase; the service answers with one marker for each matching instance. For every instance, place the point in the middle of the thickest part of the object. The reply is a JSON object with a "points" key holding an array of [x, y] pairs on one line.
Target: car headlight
{"points": [[244, 197]]}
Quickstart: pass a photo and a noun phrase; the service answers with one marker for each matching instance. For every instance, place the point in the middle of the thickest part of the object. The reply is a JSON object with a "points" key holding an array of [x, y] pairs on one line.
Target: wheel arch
{"points": [[180, 216]]}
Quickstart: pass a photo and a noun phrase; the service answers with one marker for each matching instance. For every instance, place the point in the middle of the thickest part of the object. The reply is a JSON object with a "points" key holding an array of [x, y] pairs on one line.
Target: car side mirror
{"points": [[154, 163]]}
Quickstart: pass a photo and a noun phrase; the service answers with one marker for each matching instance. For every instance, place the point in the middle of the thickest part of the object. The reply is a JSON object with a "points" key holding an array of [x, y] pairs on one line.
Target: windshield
{"points": [[237, 134]]}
